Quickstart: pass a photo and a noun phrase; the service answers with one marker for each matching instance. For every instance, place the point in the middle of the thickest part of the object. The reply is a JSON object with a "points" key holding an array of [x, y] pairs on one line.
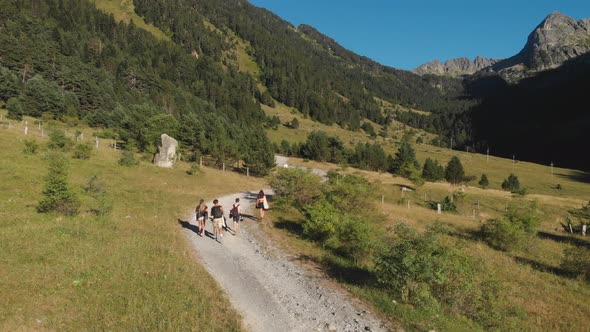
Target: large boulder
{"points": [[166, 156]]}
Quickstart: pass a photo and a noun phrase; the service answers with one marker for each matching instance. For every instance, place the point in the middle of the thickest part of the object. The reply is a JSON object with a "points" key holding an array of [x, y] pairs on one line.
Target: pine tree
{"points": [[405, 155], [57, 195], [432, 170], [483, 181], [454, 172], [511, 183]]}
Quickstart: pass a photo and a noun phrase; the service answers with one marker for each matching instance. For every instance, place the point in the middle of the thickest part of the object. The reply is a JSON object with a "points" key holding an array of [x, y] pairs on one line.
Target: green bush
{"points": [[58, 140], [511, 183], [128, 159], [83, 151], [15, 109], [57, 195], [445, 205], [483, 181], [576, 261], [295, 188], [344, 234], [194, 169], [96, 188], [420, 270], [104, 205], [31, 146], [514, 230]]}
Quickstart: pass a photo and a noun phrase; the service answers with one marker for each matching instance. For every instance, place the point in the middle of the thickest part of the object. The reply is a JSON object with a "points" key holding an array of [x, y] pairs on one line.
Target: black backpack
{"points": [[216, 212]]}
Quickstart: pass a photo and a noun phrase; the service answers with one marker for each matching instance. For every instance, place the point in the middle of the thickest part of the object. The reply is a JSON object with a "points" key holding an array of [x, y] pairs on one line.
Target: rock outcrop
{"points": [[557, 39], [166, 156], [455, 67]]}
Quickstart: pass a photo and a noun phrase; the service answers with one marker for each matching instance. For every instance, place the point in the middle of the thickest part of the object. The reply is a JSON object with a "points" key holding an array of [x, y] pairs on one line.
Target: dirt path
{"points": [[271, 292]]}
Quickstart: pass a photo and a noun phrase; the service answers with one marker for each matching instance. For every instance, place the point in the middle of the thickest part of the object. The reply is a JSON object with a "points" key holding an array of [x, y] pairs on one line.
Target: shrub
{"points": [[454, 172], [483, 181], [511, 183], [346, 235], [104, 205], [296, 187], [58, 140], [83, 151], [195, 169], [576, 261], [31, 146], [96, 188], [15, 109], [419, 269], [514, 230], [521, 192], [445, 205], [57, 195], [128, 159]]}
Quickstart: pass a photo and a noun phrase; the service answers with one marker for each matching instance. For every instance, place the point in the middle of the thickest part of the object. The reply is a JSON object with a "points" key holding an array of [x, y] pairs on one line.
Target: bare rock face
{"points": [[166, 156], [455, 67], [557, 39]]}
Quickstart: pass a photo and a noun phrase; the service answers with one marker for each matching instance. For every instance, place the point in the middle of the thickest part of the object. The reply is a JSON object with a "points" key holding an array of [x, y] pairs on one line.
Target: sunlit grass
{"points": [[133, 270]]}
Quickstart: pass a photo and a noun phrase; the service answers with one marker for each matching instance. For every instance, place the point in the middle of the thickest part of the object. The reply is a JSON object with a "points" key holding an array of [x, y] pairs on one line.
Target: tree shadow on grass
{"points": [[291, 226], [542, 267], [348, 273], [579, 176], [564, 239]]}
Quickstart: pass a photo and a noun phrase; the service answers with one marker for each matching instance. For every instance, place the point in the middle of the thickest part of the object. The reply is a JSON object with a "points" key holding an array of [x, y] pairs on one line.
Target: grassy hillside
{"points": [[123, 10], [538, 179], [132, 270], [531, 279]]}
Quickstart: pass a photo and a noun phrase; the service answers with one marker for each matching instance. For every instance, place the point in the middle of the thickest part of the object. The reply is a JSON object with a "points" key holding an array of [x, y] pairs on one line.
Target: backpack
{"points": [[216, 212], [233, 213]]}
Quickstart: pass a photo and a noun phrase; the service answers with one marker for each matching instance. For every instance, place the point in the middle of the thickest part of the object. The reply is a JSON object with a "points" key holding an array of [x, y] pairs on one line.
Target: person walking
{"points": [[236, 214], [201, 215], [217, 214], [261, 204]]}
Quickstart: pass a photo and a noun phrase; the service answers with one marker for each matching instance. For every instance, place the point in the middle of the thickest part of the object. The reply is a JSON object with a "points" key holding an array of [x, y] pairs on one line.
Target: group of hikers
{"points": [[217, 215]]}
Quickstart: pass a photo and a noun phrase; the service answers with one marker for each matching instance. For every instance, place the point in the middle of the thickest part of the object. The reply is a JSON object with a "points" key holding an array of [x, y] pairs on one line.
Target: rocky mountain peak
{"points": [[454, 67], [555, 40]]}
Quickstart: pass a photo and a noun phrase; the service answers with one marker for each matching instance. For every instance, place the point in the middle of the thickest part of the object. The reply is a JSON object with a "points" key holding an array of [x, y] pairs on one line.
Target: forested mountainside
{"points": [[302, 68], [65, 59], [544, 118]]}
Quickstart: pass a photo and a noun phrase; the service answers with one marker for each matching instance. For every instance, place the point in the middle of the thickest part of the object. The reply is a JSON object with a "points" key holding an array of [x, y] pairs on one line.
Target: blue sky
{"points": [[405, 34]]}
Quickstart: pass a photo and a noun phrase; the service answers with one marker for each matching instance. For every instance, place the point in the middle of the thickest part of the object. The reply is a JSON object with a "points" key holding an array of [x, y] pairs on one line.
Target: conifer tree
{"points": [[454, 172], [483, 181], [57, 195]]}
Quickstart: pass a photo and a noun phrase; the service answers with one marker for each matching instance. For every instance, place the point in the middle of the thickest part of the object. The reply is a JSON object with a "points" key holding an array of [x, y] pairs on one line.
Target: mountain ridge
{"points": [[555, 40], [455, 67]]}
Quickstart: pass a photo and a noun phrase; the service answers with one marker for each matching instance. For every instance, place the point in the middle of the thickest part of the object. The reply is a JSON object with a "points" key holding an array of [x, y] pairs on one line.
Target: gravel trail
{"points": [[270, 291]]}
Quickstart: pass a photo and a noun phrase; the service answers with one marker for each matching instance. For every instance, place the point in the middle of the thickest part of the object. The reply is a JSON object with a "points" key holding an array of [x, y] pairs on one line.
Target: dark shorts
{"points": [[236, 219], [259, 205]]}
